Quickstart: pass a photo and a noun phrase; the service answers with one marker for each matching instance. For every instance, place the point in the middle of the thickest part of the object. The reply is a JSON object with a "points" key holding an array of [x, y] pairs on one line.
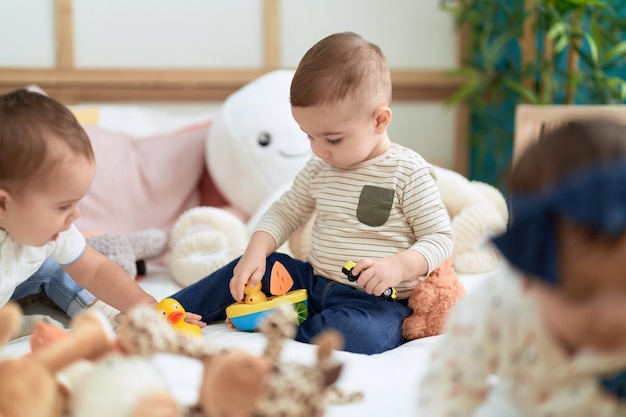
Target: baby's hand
{"points": [[193, 318], [376, 276], [249, 270]]}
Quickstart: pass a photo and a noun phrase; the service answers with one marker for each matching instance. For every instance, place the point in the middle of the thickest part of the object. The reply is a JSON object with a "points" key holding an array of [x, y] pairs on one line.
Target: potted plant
{"points": [[533, 51]]}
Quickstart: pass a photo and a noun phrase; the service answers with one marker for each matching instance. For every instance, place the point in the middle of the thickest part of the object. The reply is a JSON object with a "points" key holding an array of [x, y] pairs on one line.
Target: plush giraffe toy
{"points": [[239, 384]]}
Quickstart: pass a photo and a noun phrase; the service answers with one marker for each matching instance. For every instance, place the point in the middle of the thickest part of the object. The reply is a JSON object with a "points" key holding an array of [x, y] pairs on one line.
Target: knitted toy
{"points": [[478, 211], [120, 384], [238, 384], [202, 240], [28, 387], [131, 384], [130, 251], [277, 389], [431, 301]]}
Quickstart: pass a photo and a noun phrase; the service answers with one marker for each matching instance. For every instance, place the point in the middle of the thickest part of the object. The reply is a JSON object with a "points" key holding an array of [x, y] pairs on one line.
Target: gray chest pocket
{"points": [[374, 205]]}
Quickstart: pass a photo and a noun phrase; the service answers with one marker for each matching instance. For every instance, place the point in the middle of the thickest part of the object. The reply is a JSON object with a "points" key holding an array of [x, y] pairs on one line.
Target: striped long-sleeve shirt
{"points": [[375, 209]]}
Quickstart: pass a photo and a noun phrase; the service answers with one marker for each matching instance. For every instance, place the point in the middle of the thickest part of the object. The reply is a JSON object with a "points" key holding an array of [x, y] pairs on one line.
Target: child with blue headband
{"points": [[548, 339]]}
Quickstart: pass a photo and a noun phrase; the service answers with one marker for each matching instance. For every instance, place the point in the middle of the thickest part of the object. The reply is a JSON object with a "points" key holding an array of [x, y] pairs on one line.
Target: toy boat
{"points": [[247, 317]]}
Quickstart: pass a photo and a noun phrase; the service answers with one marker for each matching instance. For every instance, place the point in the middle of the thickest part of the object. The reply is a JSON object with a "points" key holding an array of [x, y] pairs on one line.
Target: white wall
{"points": [[412, 33], [26, 33], [196, 34]]}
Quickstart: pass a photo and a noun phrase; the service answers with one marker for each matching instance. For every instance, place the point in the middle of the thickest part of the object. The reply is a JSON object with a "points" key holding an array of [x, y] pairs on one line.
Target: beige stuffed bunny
{"points": [[28, 387]]}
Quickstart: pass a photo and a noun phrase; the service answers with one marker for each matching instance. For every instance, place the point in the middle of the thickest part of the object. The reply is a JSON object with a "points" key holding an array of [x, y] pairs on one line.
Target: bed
{"points": [[389, 381], [173, 144]]}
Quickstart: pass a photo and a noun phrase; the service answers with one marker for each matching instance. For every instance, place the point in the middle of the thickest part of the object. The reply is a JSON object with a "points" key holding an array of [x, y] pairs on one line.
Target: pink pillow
{"points": [[143, 183]]}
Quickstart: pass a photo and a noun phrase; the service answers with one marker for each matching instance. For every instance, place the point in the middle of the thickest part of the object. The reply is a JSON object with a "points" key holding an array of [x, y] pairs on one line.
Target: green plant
{"points": [[534, 51]]}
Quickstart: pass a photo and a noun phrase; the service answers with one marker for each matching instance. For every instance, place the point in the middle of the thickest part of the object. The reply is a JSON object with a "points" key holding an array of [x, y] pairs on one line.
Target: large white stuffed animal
{"points": [[254, 145], [254, 148], [478, 211]]}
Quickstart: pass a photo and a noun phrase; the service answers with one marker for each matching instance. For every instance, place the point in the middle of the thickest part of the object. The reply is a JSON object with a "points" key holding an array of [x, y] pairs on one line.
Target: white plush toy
{"points": [[204, 239], [254, 148], [478, 211], [254, 145]]}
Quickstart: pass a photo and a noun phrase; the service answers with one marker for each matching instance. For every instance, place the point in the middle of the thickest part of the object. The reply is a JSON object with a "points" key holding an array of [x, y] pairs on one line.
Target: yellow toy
{"points": [[247, 314], [174, 312], [254, 295]]}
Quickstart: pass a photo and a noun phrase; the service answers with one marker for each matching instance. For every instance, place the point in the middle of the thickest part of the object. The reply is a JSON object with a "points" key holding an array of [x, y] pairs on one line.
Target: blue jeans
{"points": [[52, 280], [369, 325]]}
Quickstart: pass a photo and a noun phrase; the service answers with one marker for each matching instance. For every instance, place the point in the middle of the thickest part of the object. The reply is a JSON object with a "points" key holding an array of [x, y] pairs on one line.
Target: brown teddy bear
{"points": [[431, 301]]}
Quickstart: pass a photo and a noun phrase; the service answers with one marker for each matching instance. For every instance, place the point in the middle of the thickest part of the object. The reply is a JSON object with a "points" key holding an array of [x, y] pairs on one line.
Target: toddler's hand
{"points": [[193, 318], [378, 275], [249, 270]]}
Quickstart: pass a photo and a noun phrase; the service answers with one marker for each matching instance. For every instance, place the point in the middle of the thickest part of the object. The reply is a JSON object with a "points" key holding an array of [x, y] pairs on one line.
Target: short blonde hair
{"points": [[339, 66], [28, 120]]}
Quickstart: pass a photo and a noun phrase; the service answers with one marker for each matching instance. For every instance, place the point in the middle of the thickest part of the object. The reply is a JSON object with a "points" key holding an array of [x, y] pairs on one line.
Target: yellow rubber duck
{"points": [[253, 295], [174, 312]]}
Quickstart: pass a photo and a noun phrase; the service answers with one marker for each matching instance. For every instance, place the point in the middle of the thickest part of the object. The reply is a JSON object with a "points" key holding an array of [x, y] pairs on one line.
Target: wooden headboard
{"points": [[531, 120]]}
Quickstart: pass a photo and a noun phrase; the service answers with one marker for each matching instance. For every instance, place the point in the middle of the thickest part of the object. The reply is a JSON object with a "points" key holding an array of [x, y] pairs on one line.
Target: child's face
{"points": [[588, 308], [341, 134], [37, 215]]}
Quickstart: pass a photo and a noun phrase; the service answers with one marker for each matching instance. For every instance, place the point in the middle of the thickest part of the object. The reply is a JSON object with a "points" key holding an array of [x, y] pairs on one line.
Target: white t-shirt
{"points": [[19, 262]]}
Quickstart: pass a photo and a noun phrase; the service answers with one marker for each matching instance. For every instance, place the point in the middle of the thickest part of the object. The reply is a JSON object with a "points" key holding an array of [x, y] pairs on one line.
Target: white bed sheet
{"points": [[388, 380]]}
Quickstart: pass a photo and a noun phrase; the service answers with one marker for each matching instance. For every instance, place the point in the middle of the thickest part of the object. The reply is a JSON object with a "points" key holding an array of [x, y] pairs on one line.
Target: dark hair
{"points": [[30, 123], [340, 65], [571, 179], [566, 149]]}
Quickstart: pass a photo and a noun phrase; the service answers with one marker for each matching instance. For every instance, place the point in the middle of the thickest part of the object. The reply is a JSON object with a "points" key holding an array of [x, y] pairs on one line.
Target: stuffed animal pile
{"points": [[29, 386], [91, 372]]}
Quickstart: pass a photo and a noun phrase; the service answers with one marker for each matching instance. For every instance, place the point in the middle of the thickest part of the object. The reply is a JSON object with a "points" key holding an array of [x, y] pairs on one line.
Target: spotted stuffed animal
{"points": [[238, 384], [293, 389]]}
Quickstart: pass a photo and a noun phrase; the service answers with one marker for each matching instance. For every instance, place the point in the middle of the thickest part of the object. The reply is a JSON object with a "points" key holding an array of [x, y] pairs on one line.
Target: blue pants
{"points": [[52, 280], [369, 325]]}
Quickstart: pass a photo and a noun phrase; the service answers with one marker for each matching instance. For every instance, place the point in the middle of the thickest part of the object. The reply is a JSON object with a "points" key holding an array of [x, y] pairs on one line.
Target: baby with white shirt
{"points": [[46, 167]]}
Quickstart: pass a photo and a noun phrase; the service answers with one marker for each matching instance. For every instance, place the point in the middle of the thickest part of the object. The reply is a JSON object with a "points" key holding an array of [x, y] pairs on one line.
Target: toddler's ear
{"points": [[382, 118], [5, 197]]}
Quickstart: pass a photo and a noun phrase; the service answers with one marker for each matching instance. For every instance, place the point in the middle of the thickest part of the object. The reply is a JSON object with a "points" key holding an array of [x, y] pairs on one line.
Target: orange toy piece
{"points": [[174, 312], [45, 335], [280, 280]]}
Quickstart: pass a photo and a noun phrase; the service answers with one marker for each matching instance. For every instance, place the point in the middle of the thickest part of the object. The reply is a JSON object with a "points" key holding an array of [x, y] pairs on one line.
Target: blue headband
{"points": [[594, 198]]}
